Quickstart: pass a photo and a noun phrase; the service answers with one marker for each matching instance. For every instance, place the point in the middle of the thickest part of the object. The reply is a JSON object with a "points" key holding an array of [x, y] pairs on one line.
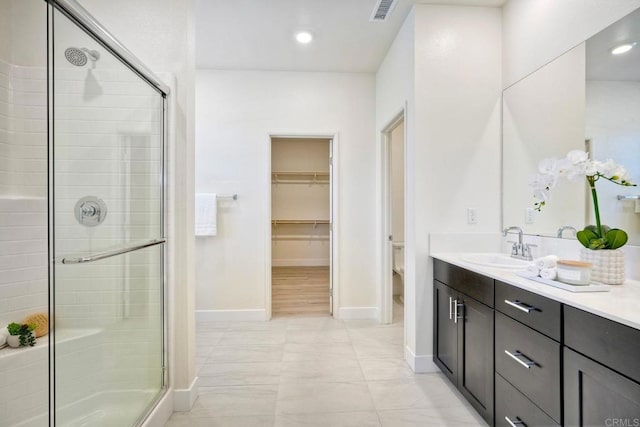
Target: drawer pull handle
{"points": [[517, 355], [456, 304], [520, 306], [516, 423], [450, 312]]}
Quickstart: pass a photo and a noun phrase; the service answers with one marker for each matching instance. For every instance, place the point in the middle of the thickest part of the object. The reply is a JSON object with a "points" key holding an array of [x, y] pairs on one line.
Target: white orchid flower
{"points": [[577, 156]]}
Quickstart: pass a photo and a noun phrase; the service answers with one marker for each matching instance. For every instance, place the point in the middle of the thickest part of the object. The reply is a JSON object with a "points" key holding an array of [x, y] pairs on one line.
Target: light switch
{"points": [[529, 216]]}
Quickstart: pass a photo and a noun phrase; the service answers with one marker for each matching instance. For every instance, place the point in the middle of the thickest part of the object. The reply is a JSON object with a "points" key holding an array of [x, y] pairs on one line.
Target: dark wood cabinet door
{"points": [[595, 395], [445, 336], [475, 356]]}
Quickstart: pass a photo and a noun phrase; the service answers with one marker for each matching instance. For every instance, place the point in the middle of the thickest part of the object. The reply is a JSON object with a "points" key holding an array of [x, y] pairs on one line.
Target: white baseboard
{"points": [[420, 364], [300, 262], [162, 412], [230, 315], [351, 313], [183, 399]]}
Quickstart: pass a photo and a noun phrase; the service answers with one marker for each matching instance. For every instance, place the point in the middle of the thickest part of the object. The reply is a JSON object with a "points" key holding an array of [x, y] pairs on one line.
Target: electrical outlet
{"points": [[529, 215], [472, 215]]}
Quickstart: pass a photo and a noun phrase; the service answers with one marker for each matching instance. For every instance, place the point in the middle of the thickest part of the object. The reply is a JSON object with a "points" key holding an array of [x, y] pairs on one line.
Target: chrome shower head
{"points": [[75, 56], [78, 57]]}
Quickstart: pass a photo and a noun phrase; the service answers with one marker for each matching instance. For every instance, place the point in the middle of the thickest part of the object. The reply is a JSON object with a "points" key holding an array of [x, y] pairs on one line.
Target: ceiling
{"points": [[259, 34], [601, 64]]}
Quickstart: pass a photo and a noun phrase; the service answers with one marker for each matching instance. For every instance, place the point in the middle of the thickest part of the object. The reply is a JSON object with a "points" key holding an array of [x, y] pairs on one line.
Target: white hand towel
{"points": [[548, 261], [549, 273], [206, 214], [534, 270]]}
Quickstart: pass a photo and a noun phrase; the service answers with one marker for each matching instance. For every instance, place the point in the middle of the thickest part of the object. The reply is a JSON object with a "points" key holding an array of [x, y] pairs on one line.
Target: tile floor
{"points": [[316, 371]]}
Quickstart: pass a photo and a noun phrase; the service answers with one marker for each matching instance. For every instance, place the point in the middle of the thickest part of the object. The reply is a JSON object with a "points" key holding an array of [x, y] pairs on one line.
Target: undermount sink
{"points": [[495, 260]]}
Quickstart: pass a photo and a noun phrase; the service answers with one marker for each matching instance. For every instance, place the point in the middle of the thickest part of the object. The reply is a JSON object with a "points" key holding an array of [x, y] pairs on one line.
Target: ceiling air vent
{"points": [[382, 10]]}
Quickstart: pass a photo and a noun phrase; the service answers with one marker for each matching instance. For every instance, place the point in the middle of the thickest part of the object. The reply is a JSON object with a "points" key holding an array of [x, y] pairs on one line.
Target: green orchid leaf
{"points": [[593, 229], [616, 238], [586, 236], [600, 243]]}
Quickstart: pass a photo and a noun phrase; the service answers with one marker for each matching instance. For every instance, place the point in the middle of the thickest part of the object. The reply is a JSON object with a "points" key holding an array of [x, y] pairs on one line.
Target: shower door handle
{"points": [[109, 254]]}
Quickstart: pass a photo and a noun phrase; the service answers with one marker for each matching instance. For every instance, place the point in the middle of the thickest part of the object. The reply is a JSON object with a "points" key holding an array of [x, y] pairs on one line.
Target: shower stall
{"points": [[83, 130]]}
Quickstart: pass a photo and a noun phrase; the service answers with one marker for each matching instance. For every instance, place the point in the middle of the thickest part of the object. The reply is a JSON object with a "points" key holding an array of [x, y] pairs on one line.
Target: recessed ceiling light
{"points": [[304, 37], [623, 48]]}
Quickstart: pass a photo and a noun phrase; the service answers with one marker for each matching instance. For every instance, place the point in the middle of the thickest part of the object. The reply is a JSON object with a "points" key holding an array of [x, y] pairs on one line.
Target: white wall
{"points": [[452, 141], [395, 89], [537, 31], [236, 111], [457, 141]]}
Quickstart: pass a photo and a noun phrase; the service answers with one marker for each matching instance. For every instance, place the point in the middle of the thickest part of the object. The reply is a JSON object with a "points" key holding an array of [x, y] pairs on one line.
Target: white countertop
{"points": [[621, 304]]}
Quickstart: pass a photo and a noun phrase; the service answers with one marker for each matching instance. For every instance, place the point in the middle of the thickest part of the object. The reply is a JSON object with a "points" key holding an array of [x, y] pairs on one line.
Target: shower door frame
{"points": [[85, 21]]}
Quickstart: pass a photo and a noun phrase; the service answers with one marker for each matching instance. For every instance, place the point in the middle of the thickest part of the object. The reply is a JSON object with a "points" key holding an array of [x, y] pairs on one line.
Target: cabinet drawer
{"points": [[535, 311], [472, 284], [513, 405], [610, 343], [532, 365]]}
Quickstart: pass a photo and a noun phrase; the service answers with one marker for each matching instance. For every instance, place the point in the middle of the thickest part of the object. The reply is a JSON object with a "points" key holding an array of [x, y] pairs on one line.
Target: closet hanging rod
{"points": [[299, 237], [299, 221], [227, 196], [290, 173], [298, 181]]}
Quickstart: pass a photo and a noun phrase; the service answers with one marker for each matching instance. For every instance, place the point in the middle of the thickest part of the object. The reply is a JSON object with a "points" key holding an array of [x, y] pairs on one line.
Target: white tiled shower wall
{"points": [[23, 188], [23, 236], [108, 144]]}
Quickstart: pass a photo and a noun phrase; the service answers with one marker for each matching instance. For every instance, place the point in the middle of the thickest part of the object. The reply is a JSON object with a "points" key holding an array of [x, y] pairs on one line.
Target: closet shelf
{"points": [[303, 177]]}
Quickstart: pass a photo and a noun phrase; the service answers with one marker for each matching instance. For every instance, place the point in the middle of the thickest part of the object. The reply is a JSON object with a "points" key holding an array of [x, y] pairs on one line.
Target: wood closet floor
{"points": [[300, 291]]}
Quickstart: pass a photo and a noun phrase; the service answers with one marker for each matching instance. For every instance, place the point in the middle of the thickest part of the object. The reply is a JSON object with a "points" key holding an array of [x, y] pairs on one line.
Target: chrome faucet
{"points": [[566, 227], [519, 249]]}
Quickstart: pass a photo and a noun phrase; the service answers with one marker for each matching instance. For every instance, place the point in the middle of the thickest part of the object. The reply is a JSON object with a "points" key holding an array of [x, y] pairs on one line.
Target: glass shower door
{"points": [[106, 162]]}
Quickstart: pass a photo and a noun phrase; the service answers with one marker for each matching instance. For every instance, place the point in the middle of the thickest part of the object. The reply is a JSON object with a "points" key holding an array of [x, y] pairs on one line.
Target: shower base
{"points": [[107, 409]]}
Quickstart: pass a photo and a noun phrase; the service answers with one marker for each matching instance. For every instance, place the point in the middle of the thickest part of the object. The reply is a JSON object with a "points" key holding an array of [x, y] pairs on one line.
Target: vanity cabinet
{"points": [[463, 333], [601, 371], [522, 359]]}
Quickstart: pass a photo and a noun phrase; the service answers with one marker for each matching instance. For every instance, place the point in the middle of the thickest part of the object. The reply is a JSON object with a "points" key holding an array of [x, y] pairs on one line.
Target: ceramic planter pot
{"points": [[14, 340], [607, 265]]}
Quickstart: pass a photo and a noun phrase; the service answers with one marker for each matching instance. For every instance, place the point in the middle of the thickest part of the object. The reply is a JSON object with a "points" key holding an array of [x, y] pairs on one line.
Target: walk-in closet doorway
{"points": [[302, 223]]}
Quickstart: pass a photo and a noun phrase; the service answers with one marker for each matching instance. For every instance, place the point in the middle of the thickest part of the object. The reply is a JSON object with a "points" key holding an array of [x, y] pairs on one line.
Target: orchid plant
{"points": [[576, 166]]}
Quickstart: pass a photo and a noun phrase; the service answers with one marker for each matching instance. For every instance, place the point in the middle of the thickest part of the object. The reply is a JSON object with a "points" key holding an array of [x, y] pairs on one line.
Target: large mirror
{"points": [[587, 99]]}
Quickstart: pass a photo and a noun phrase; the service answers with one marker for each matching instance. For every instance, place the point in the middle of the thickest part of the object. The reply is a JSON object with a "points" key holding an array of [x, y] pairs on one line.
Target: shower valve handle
{"points": [[90, 210]]}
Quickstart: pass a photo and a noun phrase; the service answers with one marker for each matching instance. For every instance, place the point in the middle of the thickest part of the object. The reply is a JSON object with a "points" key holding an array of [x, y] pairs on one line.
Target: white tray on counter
{"points": [[593, 287]]}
